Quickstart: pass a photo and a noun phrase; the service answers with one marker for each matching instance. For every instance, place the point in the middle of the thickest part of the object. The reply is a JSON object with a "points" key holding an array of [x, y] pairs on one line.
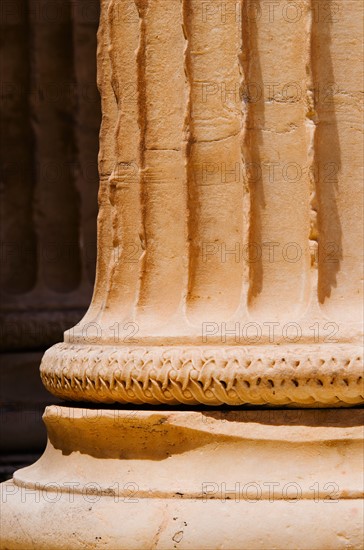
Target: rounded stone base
{"points": [[240, 480]]}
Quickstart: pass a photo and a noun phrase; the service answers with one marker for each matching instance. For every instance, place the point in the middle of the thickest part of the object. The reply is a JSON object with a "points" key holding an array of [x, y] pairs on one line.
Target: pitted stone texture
{"points": [[131, 479]]}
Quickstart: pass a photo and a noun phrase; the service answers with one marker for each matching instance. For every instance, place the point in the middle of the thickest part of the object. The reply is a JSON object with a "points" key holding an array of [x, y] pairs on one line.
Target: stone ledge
{"points": [[249, 480]]}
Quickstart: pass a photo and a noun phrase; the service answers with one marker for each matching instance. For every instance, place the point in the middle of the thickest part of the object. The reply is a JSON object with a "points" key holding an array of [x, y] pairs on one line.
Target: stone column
{"points": [[228, 273], [230, 210]]}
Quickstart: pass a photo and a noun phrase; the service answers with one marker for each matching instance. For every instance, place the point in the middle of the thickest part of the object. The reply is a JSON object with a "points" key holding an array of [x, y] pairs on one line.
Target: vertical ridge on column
{"points": [[162, 119], [279, 183], [191, 188], [124, 186], [56, 197], [141, 6], [244, 59], [216, 190], [105, 165], [311, 120], [18, 240], [186, 150], [338, 166]]}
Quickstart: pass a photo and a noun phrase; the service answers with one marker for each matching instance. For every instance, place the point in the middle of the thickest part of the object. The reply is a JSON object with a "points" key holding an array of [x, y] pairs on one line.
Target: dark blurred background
{"points": [[50, 118]]}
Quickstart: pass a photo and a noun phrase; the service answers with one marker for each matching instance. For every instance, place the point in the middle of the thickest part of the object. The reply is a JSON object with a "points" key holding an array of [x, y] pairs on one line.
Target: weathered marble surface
{"points": [[230, 225], [202, 480]]}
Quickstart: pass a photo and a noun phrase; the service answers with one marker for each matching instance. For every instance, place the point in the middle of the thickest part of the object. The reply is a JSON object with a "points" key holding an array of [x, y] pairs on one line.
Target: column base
{"points": [[294, 376], [126, 479]]}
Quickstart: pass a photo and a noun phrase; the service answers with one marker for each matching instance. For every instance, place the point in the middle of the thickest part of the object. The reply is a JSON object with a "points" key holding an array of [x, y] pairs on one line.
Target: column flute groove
{"points": [[187, 144], [245, 99]]}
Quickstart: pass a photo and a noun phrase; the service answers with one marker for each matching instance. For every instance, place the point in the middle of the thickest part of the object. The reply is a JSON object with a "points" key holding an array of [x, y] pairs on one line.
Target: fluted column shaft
{"points": [[229, 228]]}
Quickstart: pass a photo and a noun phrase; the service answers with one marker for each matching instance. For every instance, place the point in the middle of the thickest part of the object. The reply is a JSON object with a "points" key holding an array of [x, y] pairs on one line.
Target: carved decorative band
{"points": [[306, 376]]}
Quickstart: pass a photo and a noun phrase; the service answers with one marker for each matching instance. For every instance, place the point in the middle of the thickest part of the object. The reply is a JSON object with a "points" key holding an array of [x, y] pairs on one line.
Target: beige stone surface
{"points": [[186, 479], [228, 272], [230, 225]]}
